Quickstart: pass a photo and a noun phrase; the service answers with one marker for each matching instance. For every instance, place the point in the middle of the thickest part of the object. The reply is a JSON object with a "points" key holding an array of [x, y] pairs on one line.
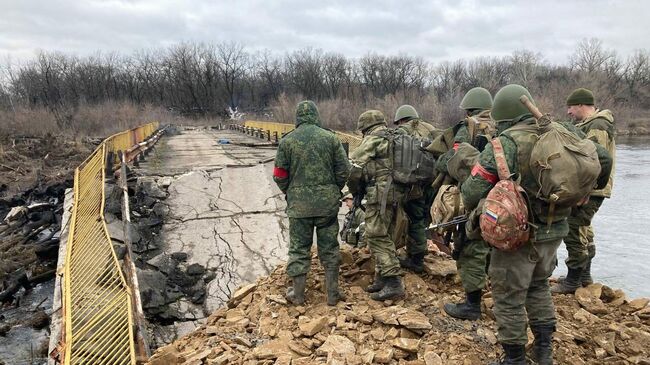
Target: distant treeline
{"points": [[207, 79]]}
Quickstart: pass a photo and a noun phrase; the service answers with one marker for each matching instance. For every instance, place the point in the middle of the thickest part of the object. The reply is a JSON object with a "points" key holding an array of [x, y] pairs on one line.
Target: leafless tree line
{"points": [[195, 78]]}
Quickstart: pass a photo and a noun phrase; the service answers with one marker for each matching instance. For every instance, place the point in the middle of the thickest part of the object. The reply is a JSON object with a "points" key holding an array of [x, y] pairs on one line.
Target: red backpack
{"points": [[504, 218]]}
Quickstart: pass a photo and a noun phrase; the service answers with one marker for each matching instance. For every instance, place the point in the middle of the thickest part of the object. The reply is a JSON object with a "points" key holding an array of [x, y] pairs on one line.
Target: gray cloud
{"points": [[436, 30]]}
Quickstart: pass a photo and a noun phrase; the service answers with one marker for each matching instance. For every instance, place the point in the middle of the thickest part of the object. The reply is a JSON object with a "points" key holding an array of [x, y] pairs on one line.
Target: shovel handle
{"points": [[529, 105]]}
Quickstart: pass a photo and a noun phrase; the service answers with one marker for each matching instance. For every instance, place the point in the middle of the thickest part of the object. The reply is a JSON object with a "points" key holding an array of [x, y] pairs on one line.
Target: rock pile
{"points": [[599, 325]]}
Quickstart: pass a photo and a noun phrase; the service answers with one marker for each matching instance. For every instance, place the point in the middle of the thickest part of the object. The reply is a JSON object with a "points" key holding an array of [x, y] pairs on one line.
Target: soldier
{"points": [[353, 223], [476, 129], [519, 278], [598, 125], [311, 168], [371, 175], [419, 197]]}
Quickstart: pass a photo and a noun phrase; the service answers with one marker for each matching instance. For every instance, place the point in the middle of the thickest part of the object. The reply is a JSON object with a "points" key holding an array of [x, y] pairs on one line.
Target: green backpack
{"points": [[565, 166], [411, 163]]}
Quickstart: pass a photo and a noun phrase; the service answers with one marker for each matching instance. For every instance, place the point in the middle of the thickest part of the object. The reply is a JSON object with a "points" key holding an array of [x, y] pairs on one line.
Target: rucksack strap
{"points": [[500, 158]]}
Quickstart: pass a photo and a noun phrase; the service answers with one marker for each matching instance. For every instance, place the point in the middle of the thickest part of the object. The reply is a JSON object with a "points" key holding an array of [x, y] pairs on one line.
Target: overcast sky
{"points": [[435, 30]]}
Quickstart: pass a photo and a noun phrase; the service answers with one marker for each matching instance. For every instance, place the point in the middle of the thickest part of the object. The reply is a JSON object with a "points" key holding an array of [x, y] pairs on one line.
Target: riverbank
{"points": [[257, 326]]}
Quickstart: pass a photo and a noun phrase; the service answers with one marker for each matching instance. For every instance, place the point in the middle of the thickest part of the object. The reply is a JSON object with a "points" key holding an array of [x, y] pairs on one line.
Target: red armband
{"points": [[485, 174], [280, 173], [456, 144]]}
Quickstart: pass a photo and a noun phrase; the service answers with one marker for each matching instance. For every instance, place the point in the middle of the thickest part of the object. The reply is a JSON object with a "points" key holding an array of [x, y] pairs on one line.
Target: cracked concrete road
{"points": [[225, 211]]}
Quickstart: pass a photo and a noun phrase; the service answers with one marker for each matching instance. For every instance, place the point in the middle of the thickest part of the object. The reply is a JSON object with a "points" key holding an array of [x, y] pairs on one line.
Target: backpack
{"points": [[447, 205], [565, 167], [504, 217], [410, 163]]}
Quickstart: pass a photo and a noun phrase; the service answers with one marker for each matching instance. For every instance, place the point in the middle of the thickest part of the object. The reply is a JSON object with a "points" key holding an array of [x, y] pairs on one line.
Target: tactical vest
{"points": [[525, 134]]}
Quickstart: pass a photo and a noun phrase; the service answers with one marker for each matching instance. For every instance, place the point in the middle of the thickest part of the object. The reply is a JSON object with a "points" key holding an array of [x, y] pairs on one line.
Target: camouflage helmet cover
{"points": [[507, 105], [477, 98], [405, 111], [369, 119]]}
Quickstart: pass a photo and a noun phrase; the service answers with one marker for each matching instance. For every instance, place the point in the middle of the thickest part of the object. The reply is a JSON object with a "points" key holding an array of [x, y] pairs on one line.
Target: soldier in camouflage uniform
{"points": [[597, 125], [311, 168], [371, 176], [354, 227], [419, 197], [476, 129], [520, 278]]}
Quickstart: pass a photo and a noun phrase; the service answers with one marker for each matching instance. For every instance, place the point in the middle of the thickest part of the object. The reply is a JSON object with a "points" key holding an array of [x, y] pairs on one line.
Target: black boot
{"points": [[585, 277], [469, 309], [514, 355], [332, 284], [413, 263], [392, 290], [543, 345], [570, 283], [377, 284], [296, 292]]}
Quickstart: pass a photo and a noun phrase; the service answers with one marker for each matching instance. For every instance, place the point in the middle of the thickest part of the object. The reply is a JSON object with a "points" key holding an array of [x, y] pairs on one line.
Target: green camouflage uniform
{"points": [[520, 278], [371, 173], [580, 240], [311, 168], [420, 197], [353, 231], [472, 260]]}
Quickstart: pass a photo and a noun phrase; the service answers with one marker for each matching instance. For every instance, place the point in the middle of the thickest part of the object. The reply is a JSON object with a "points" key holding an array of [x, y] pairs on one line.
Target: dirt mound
{"points": [[598, 325], [30, 163]]}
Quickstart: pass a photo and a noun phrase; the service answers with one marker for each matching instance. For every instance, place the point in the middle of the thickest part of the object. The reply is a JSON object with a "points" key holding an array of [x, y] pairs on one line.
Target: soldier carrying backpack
{"points": [[529, 190]]}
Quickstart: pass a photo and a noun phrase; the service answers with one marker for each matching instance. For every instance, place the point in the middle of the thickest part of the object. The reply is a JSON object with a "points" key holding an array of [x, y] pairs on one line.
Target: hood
{"points": [[605, 114], [307, 113]]}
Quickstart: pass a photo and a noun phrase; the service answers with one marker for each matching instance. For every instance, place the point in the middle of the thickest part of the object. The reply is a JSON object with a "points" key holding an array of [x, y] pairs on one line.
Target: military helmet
{"points": [[477, 98], [405, 111], [370, 118], [507, 105]]}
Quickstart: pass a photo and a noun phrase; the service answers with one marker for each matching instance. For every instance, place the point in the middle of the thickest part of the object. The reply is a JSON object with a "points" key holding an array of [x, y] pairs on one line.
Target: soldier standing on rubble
{"points": [[419, 197], [598, 126], [476, 129], [311, 168], [371, 176]]}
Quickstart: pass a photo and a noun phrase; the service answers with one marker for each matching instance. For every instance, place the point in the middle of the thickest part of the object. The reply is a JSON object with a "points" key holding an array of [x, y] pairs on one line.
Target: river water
{"points": [[622, 223]]}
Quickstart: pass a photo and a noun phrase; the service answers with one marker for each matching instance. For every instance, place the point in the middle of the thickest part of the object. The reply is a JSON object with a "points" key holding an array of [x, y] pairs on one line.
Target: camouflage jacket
{"points": [[599, 128], [418, 128], [311, 167], [371, 170], [481, 132], [517, 147]]}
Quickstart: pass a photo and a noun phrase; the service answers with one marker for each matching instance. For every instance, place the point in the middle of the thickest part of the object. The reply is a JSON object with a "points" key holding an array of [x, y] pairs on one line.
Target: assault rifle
{"points": [[453, 222]]}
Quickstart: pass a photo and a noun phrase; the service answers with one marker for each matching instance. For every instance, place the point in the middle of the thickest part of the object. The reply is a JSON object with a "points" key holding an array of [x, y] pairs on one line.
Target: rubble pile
{"points": [[598, 325]]}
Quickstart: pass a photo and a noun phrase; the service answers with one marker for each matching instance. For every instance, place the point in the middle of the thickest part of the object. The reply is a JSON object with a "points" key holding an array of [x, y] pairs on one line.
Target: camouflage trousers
{"points": [[471, 265], [520, 289], [301, 237], [580, 240], [417, 211], [379, 238]]}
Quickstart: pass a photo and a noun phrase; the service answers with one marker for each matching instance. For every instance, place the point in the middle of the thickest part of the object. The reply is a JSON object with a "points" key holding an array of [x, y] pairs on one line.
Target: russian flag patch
{"points": [[491, 215]]}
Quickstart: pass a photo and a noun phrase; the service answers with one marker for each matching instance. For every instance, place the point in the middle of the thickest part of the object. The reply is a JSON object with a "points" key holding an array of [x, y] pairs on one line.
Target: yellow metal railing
{"points": [[97, 300], [281, 128]]}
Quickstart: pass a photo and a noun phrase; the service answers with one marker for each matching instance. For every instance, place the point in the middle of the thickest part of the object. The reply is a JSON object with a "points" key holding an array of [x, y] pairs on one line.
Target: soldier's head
{"points": [[405, 113], [476, 100], [507, 107], [307, 113], [580, 104], [348, 200], [369, 119]]}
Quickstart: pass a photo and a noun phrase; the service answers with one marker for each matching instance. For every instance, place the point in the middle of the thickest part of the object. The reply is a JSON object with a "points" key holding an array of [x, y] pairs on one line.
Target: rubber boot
{"points": [[470, 309], [543, 345], [570, 283], [414, 263], [296, 292], [585, 277], [332, 284], [394, 289], [514, 355], [377, 284]]}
